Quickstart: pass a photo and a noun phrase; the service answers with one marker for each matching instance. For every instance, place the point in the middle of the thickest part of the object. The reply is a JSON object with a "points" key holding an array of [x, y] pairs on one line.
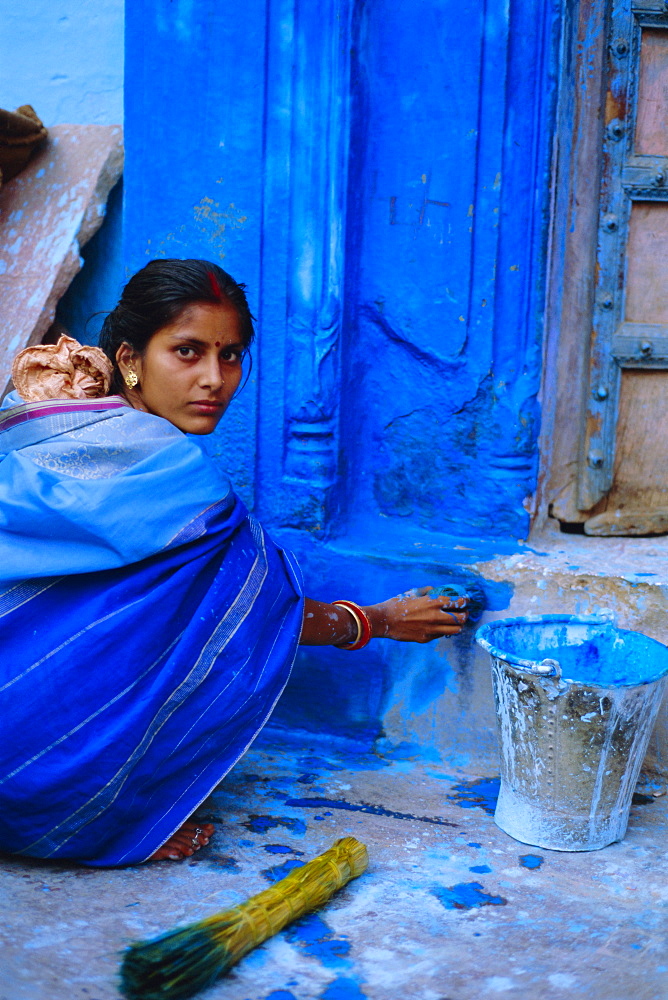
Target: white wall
{"points": [[65, 57]]}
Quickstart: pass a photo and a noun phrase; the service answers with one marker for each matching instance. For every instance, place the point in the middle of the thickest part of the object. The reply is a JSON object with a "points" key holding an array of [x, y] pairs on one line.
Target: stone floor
{"points": [[449, 909]]}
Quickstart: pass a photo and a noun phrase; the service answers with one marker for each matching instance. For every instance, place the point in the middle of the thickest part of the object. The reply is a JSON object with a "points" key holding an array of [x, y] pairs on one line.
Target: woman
{"points": [[148, 624]]}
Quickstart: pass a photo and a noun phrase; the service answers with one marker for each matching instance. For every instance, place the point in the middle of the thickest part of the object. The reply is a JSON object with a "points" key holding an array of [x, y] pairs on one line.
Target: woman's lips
{"points": [[206, 407]]}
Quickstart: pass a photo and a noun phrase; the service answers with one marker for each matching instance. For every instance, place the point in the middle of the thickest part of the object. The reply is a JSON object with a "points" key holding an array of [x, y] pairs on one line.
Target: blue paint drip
{"points": [[364, 807], [278, 872], [481, 793], [343, 988], [472, 843], [315, 938], [261, 824], [480, 869], [319, 762], [531, 861], [408, 751], [281, 849], [466, 896]]}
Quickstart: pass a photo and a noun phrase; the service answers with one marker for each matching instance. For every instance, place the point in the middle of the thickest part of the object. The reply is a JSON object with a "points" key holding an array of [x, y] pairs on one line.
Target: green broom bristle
{"points": [[174, 966], [184, 961]]}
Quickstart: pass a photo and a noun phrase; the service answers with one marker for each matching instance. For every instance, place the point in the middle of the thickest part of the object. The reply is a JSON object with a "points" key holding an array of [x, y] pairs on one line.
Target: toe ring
{"points": [[195, 841]]}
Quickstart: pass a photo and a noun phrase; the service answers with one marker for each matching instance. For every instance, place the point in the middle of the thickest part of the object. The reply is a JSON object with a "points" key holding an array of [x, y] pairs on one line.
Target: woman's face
{"points": [[190, 369]]}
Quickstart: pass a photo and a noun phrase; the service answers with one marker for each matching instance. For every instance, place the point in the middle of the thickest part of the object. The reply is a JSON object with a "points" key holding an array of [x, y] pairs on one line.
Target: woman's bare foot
{"points": [[187, 839]]}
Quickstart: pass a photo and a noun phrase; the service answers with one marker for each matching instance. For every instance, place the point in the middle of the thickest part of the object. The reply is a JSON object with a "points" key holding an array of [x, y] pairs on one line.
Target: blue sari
{"points": [[147, 628]]}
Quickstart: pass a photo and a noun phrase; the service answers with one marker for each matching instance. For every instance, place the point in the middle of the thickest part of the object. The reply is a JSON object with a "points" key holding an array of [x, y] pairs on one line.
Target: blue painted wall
{"points": [[378, 174]]}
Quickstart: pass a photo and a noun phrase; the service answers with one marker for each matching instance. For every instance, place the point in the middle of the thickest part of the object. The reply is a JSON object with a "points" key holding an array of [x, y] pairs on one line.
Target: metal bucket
{"points": [[576, 700]]}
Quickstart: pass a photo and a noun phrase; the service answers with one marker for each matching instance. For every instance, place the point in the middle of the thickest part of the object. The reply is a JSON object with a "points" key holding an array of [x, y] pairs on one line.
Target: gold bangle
{"points": [[358, 623]]}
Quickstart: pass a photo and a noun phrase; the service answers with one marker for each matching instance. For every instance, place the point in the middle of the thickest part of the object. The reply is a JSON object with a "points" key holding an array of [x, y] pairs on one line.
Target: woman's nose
{"points": [[211, 376]]}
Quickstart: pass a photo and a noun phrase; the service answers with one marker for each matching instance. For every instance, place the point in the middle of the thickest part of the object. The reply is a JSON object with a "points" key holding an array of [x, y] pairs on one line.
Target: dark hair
{"points": [[155, 296]]}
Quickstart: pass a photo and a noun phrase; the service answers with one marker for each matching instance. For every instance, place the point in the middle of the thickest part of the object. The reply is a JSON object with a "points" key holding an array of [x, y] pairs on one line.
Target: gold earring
{"points": [[131, 378]]}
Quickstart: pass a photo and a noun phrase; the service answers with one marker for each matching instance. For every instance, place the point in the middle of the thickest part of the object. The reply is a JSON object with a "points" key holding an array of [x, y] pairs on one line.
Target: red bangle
{"points": [[364, 625]]}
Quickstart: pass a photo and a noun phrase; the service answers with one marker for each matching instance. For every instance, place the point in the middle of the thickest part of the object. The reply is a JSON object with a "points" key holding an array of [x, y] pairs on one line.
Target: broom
{"points": [[183, 961]]}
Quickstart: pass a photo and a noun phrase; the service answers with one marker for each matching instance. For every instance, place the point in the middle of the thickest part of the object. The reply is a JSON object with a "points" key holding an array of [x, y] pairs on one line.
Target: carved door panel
{"points": [[624, 469]]}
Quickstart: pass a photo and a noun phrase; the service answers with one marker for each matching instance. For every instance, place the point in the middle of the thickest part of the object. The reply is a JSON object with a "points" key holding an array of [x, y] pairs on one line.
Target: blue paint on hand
{"points": [[531, 861], [466, 896], [481, 793]]}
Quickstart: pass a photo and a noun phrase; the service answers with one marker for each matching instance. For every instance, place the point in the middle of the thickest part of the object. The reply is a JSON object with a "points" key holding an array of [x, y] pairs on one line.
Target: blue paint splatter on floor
{"points": [[280, 995], [481, 793], [531, 861], [282, 849], [480, 869], [261, 824], [224, 861], [278, 872], [343, 988], [315, 938], [308, 779], [364, 807], [472, 843], [465, 896]]}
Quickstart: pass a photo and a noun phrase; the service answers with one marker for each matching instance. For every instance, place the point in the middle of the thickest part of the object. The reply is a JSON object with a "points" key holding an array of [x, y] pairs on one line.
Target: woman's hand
{"points": [[418, 619], [407, 618]]}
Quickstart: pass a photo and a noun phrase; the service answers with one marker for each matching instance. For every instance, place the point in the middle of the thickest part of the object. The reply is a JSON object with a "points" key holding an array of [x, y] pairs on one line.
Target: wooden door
{"points": [[624, 469]]}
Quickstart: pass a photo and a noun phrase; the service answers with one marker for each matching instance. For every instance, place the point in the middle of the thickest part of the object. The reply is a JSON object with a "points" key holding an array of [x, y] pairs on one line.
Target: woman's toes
{"points": [[183, 844]]}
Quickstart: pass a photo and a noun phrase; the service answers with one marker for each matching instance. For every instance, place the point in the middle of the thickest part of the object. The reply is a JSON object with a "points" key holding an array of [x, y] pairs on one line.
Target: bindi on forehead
{"points": [[217, 343]]}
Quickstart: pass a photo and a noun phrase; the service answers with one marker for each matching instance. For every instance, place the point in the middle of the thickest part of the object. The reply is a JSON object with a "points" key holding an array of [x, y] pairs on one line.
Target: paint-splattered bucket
{"points": [[576, 700]]}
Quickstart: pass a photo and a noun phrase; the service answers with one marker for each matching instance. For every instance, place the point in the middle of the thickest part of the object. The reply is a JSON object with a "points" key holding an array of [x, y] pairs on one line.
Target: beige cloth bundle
{"points": [[66, 370]]}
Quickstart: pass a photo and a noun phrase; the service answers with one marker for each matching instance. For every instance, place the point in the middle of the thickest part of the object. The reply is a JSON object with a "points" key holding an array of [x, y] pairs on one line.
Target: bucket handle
{"points": [[546, 668]]}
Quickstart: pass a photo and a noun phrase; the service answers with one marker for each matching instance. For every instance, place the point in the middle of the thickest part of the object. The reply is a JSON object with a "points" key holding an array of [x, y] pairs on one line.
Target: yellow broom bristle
{"points": [[178, 964]]}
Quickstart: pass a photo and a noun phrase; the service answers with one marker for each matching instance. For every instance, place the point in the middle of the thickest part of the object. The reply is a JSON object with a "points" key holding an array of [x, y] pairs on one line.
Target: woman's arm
{"points": [[407, 619]]}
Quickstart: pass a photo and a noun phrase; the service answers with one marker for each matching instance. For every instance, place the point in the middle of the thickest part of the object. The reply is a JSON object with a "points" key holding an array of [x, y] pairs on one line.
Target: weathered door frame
{"points": [[587, 343]]}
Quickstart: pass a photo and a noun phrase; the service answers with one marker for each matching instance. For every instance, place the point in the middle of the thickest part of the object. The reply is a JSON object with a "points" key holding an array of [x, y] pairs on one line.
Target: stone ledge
{"points": [[47, 213]]}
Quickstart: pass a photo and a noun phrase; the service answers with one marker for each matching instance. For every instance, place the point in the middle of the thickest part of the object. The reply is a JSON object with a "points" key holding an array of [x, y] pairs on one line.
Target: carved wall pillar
{"points": [[308, 115]]}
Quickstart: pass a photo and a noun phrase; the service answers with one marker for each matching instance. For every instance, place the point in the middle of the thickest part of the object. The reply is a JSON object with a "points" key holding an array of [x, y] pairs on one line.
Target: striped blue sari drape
{"points": [[127, 692]]}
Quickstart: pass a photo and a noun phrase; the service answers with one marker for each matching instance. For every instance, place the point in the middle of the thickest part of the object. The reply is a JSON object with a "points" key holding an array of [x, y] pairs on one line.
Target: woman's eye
{"points": [[231, 355], [185, 352]]}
